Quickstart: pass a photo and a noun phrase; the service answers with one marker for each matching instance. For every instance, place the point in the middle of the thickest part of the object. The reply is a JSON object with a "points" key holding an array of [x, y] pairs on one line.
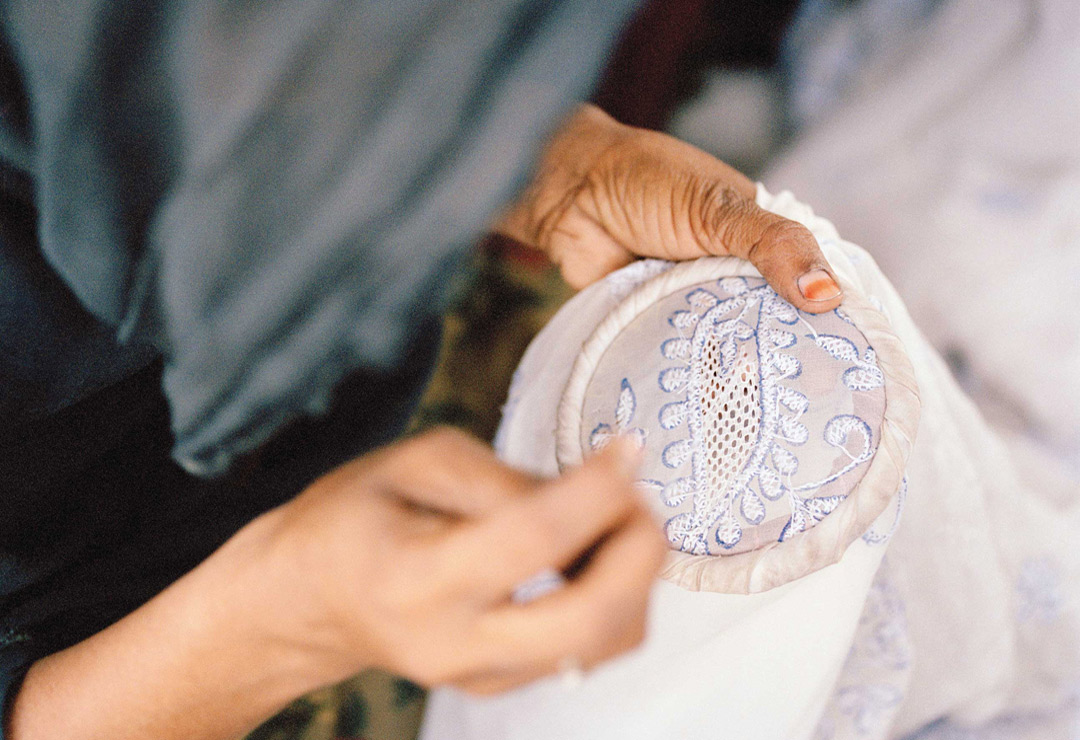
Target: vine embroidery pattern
{"points": [[874, 679], [625, 408], [731, 381]]}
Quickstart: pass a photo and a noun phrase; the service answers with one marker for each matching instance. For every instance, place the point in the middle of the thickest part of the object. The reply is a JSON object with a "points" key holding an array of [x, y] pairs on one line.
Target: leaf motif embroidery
{"points": [[733, 286], [600, 437], [793, 431], [862, 378], [839, 348], [839, 429], [627, 404], [785, 462], [793, 400], [771, 488], [701, 298], [676, 492], [683, 320], [672, 414], [674, 379], [786, 366], [729, 532], [751, 507], [676, 453], [676, 349]]}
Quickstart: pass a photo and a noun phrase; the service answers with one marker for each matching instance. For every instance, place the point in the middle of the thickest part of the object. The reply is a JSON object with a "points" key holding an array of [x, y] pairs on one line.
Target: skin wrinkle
{"points": [[587, 208], [720, 210], [608, 183], [679, 193], [547, 223]]}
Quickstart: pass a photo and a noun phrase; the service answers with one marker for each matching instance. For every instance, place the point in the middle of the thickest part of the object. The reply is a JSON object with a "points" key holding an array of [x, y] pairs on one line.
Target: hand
{"points": [[408, 558], [405, 559], [606, 194]]}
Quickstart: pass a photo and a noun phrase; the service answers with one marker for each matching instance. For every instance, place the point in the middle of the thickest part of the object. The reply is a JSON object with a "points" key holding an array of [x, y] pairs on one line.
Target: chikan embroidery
{"points": [[730, 383], [625, 408], [874, 536], [875, 676], [1039, 596]]}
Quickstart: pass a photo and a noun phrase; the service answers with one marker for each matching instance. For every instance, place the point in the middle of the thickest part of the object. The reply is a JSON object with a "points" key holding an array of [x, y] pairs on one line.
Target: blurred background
{"points": [[941, 135]]}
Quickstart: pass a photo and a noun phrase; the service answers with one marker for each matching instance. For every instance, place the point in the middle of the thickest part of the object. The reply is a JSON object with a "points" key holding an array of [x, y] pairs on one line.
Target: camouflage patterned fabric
{"points": [[513, 293]]}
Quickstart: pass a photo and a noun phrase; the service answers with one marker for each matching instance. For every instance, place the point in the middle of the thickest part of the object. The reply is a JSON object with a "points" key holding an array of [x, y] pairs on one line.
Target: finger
{"points": [[597, 615], [785, 252], [450, 472], [658, 196], [584, 250], [551, 528]]}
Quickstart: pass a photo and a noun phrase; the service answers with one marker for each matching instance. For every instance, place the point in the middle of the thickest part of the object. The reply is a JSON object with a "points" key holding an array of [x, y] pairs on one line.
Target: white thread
{"points": [[731, 414]]}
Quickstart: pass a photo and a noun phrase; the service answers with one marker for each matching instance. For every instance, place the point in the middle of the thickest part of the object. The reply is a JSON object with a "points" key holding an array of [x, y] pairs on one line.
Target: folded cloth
{"points": [[940, 134], [780, 450]]}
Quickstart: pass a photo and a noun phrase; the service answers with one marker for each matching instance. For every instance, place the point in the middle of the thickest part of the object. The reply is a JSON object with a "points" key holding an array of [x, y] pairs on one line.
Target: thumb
{"points": [[785, 252]]}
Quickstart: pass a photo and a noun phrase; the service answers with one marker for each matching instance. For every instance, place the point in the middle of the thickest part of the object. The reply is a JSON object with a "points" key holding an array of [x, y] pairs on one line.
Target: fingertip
{"points": [[791, 260], [625, 455], [820, 290]]}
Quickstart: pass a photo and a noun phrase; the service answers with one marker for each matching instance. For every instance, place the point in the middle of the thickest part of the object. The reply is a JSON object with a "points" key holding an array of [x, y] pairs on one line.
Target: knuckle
{"points": [[718, 210], [776, 238]]}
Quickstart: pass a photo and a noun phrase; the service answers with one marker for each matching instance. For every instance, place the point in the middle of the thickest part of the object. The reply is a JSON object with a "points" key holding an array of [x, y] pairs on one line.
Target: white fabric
{"points": [[949, 149], [822, 416], [974, 614]]}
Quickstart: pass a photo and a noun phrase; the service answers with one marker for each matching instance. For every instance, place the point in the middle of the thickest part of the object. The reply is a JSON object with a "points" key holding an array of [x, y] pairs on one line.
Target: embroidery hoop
{"points": [[779, 562]]}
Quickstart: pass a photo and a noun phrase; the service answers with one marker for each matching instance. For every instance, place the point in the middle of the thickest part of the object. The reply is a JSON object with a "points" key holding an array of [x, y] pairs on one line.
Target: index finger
{"points": [[552, 528]]}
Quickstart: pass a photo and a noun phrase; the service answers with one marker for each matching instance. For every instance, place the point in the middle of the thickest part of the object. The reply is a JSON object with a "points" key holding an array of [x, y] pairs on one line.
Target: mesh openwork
{"points": [[731, 413], [757, 419]]}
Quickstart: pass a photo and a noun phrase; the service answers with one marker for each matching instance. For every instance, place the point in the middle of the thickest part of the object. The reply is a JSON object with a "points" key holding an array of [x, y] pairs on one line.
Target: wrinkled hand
{"points": [[407, 558], [606, 194]]}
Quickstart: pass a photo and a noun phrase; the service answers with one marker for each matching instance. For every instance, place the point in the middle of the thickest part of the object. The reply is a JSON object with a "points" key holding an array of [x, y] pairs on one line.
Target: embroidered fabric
{"points": [[974, 615], [758, 420]]}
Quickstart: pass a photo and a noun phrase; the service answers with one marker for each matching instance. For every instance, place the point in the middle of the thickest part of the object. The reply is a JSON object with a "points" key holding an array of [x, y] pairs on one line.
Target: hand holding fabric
{"points": [[407, 558], [606, 193], [412, 556]]}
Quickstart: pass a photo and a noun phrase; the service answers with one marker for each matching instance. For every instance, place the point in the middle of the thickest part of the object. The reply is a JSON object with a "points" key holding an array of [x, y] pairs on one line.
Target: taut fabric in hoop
{"points": [[973, 612], [721, 549]]}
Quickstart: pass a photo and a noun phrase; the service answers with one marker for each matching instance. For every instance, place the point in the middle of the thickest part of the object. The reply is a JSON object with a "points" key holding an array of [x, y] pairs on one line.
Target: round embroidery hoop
{"points": [[776, 562]]}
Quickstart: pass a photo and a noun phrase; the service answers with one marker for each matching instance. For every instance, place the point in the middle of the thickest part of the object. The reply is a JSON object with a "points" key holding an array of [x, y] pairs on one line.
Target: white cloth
{"points": [[974, 614], [949, 150]]}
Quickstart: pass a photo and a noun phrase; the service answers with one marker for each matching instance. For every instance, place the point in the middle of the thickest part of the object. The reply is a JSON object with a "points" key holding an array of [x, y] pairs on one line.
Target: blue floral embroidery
{"points": [[874, 537], [865, 375], [874, 678], [716, 332], [1038, 591], [625, 407]]}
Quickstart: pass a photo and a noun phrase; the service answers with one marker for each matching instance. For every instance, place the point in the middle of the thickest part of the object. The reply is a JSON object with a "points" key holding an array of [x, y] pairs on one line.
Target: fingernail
{"points": [[626, 452], [818, 285]]}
